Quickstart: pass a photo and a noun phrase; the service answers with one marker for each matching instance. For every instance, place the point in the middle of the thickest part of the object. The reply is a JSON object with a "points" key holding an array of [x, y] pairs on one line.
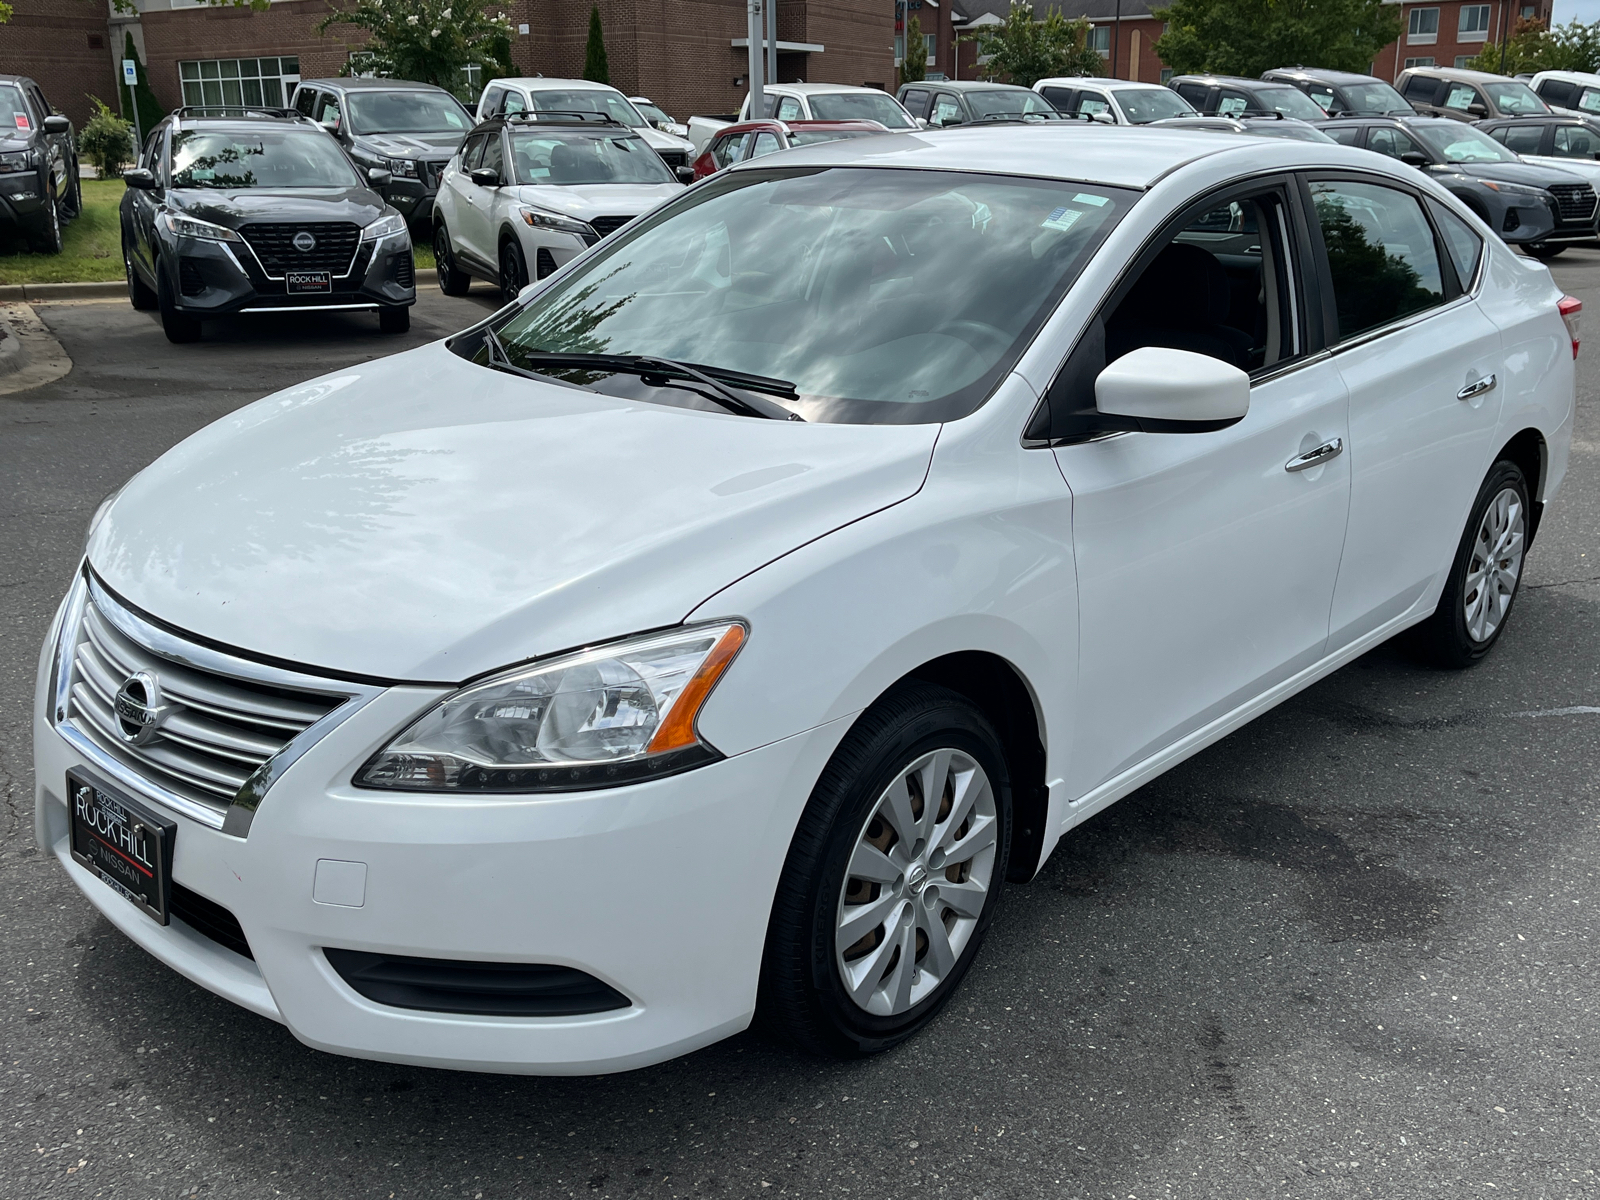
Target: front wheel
{"points": [[453, 281], [1543, 251], [1485, 575], [513, 271], [139, 293], [48, 239], [892, 877], [179, 327], [394, 320]]}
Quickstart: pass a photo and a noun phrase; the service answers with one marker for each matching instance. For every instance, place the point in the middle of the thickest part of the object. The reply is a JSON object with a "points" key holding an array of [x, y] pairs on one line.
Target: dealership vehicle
{"points": [[38, 165], [1568, 91], [1343, 94], [940, 104], [1532, 205], [540, 188], [1114, 101], [507, 97], [1464, 95], [658, 118], [720, 627], [407, 129], [754, 139], [258, 210], [1259, 126], [1234, 96], [1565, 140], [830, 102]]}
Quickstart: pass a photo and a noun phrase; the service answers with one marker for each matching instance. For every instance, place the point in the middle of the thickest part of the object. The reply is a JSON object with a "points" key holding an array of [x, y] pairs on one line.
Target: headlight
{"points": [[384, 226], [1512, 189], [540, 219], [402, 166], [24, 160], [598, 718], [192, 227]]}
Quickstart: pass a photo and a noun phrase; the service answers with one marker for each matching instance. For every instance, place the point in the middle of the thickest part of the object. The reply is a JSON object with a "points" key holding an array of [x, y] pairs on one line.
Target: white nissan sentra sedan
{"points": [[717, 629]]}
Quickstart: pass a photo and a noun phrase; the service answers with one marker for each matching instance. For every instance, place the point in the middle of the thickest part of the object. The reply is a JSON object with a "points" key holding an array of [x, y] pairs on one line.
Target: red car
{"points": [[752, 139]]}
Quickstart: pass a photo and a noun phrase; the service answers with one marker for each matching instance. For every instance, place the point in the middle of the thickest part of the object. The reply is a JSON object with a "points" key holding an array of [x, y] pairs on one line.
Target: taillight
{"points": [[1571, 308]]}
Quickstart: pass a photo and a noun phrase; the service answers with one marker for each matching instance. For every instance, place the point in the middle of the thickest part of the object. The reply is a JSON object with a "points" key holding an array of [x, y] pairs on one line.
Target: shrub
{"points": [[106, 141]]}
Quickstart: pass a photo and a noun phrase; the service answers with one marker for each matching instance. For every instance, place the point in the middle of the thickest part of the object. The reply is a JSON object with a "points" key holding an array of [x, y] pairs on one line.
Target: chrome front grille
{"points": [[1575, 202], [214, 719]]}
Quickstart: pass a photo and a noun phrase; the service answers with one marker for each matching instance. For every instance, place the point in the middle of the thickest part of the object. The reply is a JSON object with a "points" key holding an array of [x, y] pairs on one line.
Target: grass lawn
{"points": [[93, 245]]}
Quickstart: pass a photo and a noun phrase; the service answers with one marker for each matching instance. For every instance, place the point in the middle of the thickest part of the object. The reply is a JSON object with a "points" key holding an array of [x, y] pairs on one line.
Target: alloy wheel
{"points": [[1495, 565], [915, 887]]}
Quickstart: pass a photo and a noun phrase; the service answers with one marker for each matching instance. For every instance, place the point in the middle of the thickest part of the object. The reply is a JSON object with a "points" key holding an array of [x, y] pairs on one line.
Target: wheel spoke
{"points": [[898, 985], [858, 920], [970, 787], [966, 898], [940, 958], [861, 976], [934, 773], [870, 863], [896, 809], [979, 837]]}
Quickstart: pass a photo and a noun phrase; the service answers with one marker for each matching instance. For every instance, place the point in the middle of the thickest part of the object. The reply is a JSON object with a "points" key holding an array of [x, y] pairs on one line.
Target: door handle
{"points": [[1331, 448], [1477, 388]]}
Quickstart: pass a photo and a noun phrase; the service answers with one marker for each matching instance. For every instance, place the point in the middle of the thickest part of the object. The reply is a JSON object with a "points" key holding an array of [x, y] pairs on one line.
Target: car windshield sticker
{"points": [[201, 173], [1062, 218], [1459, 97], [22, 121], [1085, 198]]}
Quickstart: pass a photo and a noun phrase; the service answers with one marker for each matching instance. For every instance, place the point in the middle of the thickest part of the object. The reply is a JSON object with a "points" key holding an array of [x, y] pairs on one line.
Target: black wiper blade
{"points": [[499, 360], [734, 390]]}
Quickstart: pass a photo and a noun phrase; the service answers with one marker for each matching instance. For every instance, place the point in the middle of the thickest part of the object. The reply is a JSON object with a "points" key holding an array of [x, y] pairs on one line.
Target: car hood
{"points": [[658, 141], [1576, 166], [423, 518], [279, 205], [1532, 174], [413, 145], [599, 199]]}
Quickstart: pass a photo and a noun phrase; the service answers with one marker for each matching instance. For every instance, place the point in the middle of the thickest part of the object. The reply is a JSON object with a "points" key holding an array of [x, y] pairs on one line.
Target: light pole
{"points": [[754, 28]]}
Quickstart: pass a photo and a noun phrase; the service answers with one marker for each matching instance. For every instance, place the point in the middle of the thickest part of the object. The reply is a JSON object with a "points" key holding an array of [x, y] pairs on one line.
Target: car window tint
{"points": [[1519, 139], [304, 99], [1576, 141], [151, 158], [1382, 260], [728, 149], [1345, 135], [766, 143], [515, 103], [1194, 93], [492, 101], [1422, 88], [1383, 140], [328, 110], [946, 111], [1230, 103], [1465, 246], [1059, 96], [472, 150], [1323, 95], [789, 109], [917, 102], [494, 155], [1460, 97]]}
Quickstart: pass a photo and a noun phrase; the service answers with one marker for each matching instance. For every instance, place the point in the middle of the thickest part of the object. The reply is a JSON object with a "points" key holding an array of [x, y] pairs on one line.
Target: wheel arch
{"points": [[1529, 450]]}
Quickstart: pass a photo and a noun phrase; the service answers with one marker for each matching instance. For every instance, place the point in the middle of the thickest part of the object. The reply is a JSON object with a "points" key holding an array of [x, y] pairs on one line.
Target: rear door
{"points": [[1199, 95], [452, 203], [917, 101], [142, 205], [476, 233], [1062, 98]]}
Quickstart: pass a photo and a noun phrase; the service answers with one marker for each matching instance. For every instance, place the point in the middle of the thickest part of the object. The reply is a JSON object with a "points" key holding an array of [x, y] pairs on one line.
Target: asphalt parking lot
{"points": [[1349, 951]]}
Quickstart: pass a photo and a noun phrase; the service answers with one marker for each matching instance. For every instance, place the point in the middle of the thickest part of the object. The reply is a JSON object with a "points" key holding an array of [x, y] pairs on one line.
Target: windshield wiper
{"points": [[499, 360], [734, 390]]}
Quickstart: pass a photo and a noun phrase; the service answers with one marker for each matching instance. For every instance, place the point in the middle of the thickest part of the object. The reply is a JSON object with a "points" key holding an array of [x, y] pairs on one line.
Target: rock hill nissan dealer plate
{"points": [[716, 631]]}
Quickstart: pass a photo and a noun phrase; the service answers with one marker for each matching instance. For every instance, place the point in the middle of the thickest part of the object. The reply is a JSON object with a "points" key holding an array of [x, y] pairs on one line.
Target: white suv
{"points": [[1114, 101], [529, 193], [831, 102], [506, 97]]}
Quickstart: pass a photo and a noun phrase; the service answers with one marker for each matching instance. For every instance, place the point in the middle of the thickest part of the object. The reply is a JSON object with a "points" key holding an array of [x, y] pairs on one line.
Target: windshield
{"points": [[1513, 97], [1458, 143], [1374, 97], [1009, 104], [860, 106], [1286, 129], [13, 110], [1291, 102], [611, 104], [405, 112], [1143, 105], [266, 159], [810, 137], [652, 113], [564, 159], [837, 279]]}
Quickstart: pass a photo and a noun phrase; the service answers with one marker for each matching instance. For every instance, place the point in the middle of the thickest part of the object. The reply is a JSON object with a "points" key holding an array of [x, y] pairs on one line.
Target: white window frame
{"points": [[1473, 23], [1418, 62], [931, 40], [1416, 33], [1100, 39], [192, 86]]}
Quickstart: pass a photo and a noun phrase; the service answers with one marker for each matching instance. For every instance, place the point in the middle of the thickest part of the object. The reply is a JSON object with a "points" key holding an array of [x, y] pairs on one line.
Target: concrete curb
{"points": [[43, 293], [33, 355]]}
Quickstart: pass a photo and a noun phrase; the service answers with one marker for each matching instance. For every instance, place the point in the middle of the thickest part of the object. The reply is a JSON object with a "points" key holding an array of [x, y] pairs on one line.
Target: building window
{"points": [[899, 49], [239, 81], [1462, 60], [1100, 39], [1166, 74], [1527, 12], [1474, 23], [932, 40], [1418, 62], [1424, 27]]}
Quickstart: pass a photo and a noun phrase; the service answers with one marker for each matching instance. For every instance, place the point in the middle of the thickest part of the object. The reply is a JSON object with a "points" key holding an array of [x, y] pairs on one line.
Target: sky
{"points": [[1587, 11]]}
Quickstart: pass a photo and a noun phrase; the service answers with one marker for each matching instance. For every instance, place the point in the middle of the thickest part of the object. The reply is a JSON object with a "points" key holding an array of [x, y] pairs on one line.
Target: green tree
{"points": [[1534, 47], [595, 68], [1247, 37], [1023, 50], [139, 98], [106, 141], [914, 63], [431, 41]]}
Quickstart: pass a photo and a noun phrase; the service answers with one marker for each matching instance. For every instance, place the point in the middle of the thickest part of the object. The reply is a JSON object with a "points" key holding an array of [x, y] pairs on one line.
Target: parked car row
{"points": [[38, 166]]}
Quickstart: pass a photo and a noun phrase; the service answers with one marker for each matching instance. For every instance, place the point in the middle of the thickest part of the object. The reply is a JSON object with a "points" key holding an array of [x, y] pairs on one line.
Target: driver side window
{"points": [[789, 109], [946, 111], [328, 114], [1576, 141]]}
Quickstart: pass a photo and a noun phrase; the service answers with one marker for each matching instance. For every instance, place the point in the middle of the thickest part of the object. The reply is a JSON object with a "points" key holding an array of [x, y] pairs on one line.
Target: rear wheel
{"points": [[139, 294], [1543, 251], [1485, 575], [178, 326], [892, 878], [513, 270], [453, 281], [394, 320]]}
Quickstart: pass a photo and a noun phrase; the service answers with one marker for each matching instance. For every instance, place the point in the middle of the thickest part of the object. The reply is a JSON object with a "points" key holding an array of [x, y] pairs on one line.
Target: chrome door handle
{"points": [[1477, 388], [1331, 448]]}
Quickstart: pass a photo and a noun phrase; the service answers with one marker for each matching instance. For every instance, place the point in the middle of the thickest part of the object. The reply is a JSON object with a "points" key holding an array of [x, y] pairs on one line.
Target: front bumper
{"points": [[22, 202], [661, 890], [213, 279]]}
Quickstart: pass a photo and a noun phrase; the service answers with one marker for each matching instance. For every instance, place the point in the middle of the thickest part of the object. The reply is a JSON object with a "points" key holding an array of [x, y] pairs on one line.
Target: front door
{"points": [[1206, 561]]}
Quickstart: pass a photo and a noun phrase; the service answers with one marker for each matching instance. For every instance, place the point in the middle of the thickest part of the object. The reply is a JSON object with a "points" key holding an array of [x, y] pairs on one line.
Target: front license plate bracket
{"points": [[122, 843]]}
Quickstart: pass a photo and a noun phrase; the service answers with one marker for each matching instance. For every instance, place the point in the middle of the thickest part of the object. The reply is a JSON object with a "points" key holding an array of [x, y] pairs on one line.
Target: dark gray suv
{"points": [[38, 165]]}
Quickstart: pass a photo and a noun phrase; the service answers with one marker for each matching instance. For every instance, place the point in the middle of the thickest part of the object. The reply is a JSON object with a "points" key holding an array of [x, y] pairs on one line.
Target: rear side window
{"points": [[1345, 135], [1576, 141], [1194, 93], [1465, 246], [766, 143], [1059, 96], [1421, 88], [1383, 140], [493, 101], [1556, 91], [1382, 259], [1519, 139], [728, 150], [917, 102], [304, 98], [789, 109]]}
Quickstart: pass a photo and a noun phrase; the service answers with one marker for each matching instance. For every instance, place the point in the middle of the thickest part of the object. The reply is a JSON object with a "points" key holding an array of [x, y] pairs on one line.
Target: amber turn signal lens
{"points": [[677, 731]]}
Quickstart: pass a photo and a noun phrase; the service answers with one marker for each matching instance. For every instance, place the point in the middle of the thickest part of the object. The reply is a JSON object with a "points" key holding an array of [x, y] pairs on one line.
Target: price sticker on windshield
{"points": [[1063, 218]]}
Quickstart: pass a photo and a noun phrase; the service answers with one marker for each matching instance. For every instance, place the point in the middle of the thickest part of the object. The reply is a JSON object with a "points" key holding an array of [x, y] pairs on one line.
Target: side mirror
{"points": [[1173, 391], [486, 177], [922, 122], [1477, 110], [685, 174], [1415, 158], [1104, 118], [57, 124], [378, 177], [140, 178]]}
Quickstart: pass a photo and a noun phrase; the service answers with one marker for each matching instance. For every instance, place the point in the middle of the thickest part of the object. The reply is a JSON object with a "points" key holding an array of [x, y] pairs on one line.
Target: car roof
{"points": [[1084, 152], [543, 83], [1320, 75], [1569, 77], [759, 124], [356, 83], [1240, 81], [215, 117], [1568, 117], [823, 89], [16, 79], [966, 85], [1460, 74], [1099, 81], [1386, 119]]}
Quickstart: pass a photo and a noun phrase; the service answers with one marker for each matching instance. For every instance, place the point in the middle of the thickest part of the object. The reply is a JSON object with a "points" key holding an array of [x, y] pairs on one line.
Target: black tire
{"points": [[74, 197], [453, 281], [139, 293], [1543, 251], [1445, 638], [48, 239], [802, 996], [394, 320], [179, 327], [513, 270]]}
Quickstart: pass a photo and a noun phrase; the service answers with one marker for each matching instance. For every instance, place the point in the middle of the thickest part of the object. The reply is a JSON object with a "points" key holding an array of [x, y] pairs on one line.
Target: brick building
{"points": [[1440, 34], [65, 46]]}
